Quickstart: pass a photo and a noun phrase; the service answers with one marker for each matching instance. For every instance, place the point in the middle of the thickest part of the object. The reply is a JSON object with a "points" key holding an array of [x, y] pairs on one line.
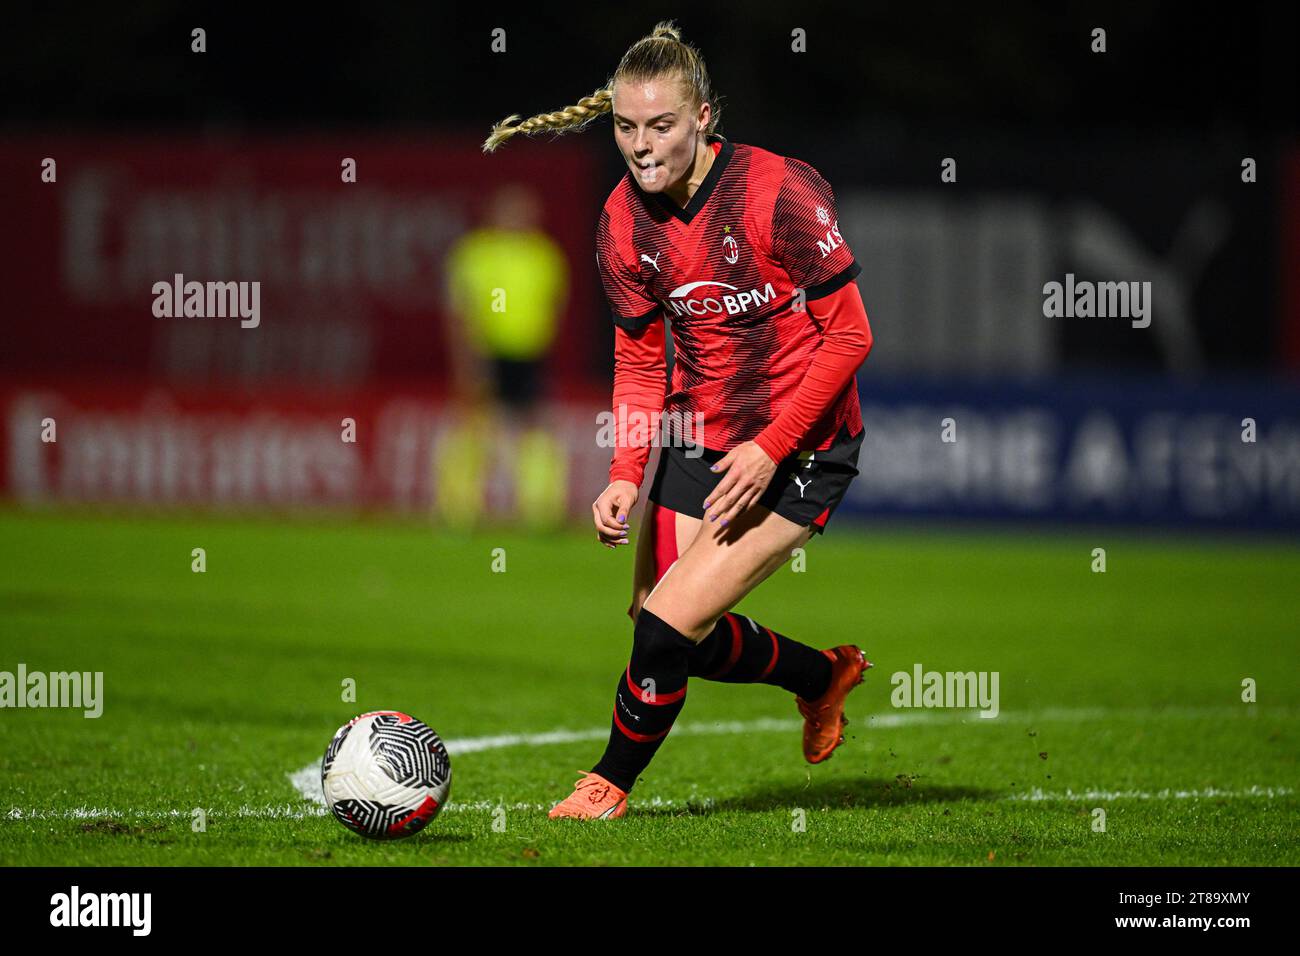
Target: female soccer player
{"points": [[740, 248]]}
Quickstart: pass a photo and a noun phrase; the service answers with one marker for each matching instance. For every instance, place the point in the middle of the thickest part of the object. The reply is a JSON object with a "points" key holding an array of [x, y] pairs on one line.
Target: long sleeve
{"points": [[846, 341], [640, 382]]}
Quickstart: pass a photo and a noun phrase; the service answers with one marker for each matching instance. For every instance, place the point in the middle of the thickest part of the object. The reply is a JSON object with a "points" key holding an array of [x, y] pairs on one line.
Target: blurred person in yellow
{"points": [[507, 283]]}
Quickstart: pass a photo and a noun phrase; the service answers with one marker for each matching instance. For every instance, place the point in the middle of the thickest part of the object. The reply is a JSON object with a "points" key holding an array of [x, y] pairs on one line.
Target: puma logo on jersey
{"points": [[655, 261], [802, 484]]}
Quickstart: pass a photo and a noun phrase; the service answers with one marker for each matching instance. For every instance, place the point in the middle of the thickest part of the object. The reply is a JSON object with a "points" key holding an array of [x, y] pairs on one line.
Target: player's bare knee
{"points": [[685, 621]]}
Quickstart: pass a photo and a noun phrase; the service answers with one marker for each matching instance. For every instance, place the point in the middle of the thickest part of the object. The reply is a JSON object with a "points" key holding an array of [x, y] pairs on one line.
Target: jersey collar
{"points": [[703, 191]]}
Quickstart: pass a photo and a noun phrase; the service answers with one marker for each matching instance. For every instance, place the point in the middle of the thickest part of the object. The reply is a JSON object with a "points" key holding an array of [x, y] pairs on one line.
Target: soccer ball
{"points": [[385, 775]]}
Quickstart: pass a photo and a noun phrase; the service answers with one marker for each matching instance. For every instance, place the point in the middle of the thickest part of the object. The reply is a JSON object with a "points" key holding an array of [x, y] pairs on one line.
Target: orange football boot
{"points": [[594, 798], [823, 718]]}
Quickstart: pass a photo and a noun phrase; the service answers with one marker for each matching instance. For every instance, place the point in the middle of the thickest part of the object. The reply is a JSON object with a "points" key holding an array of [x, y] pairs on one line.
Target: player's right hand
{"points": [[610, 512]]}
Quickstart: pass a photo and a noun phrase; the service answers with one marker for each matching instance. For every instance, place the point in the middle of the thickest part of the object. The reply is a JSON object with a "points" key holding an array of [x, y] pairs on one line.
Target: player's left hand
{"points": [[748, 472]]}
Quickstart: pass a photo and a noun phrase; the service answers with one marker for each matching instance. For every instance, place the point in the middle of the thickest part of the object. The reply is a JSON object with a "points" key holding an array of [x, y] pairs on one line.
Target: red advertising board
{"points": [[284, 450], [350, 274]]}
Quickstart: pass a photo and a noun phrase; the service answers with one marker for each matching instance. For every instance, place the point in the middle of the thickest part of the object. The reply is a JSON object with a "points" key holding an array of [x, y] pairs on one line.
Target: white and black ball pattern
{"points": [[386, 775]]}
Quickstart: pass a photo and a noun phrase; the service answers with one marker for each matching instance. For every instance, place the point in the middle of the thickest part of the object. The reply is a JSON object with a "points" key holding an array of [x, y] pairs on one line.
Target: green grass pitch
{"points": [[1119, 691]]}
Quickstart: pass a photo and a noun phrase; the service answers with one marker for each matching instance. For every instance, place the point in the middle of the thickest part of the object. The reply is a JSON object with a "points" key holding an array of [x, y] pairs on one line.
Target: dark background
{"points": [[1222, 72]]}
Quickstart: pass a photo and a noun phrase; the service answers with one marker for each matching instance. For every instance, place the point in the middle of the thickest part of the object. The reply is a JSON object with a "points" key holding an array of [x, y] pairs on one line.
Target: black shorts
{"points": [[806, 488]]}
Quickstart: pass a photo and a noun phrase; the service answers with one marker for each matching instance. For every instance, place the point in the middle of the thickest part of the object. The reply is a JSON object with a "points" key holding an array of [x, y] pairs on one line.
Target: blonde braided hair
{"points": [[661, 53]]}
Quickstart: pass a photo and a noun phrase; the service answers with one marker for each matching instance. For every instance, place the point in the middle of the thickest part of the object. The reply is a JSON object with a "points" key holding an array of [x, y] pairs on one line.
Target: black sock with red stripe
{"points": [[740, 651], [651, 693]]}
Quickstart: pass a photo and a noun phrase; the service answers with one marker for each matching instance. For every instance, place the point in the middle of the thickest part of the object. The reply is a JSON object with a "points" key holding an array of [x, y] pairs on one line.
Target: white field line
{"points": [[898, 718], [904, 718], [1207, 793], [307, 779], [289, 811]]}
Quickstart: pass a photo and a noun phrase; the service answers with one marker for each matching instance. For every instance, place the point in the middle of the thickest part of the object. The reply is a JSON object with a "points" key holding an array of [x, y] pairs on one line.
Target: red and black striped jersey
{"points": [[727, 271]]}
